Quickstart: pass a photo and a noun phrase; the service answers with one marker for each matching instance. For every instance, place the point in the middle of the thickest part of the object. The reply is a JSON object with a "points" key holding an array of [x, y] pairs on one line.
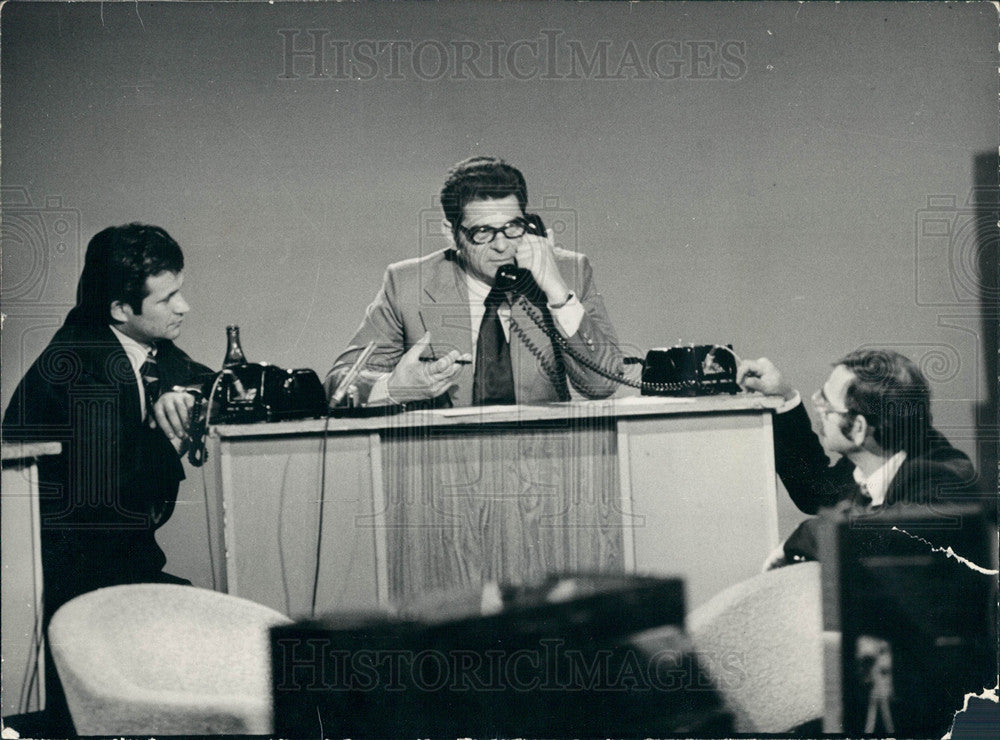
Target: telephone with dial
{"points": [[252, 393]]}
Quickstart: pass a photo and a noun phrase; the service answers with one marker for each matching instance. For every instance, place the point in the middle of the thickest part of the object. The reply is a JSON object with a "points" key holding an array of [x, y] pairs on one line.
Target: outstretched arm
{"points": [[799, 457]]}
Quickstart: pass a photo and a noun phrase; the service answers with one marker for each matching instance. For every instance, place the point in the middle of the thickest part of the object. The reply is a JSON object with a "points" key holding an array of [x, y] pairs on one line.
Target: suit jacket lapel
{"points": [[901, 488], [444, 311], [110, 367]]}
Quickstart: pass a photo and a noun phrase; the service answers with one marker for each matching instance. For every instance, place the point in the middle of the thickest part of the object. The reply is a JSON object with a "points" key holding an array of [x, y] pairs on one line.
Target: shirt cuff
{"points": [[379, 394], [569, 315], [790, 404]]}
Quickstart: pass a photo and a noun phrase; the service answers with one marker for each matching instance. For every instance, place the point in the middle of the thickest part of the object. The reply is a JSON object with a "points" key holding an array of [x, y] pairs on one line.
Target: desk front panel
{"points": [[502, 503], [414, 506], [703, 500], [276, 522]]}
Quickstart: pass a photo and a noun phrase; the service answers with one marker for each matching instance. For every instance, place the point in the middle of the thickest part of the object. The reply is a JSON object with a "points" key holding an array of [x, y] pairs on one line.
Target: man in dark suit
{"points": [[108, 387], [446, 306], [874, 412]]}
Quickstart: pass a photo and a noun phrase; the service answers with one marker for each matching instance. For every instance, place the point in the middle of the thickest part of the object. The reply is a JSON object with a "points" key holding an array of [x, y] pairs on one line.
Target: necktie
{"points": [[150, 372], [493, 381]]}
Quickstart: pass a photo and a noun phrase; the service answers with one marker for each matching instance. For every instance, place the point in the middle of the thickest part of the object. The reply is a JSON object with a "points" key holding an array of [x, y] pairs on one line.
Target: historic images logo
{"points": [[316, 54]]}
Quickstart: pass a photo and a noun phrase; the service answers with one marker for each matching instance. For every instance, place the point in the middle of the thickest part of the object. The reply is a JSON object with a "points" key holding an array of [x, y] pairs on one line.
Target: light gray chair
{"points": [[761, 640], [158, 659]]}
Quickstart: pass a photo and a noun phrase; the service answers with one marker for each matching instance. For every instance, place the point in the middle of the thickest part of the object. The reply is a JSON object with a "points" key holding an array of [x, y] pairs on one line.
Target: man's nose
{"points": [[501, 243], [180, 305]]}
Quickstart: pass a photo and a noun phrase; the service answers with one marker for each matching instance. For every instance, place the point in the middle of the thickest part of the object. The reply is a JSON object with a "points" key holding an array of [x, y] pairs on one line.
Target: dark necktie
{"points": [[493, 381], [150, 372]]}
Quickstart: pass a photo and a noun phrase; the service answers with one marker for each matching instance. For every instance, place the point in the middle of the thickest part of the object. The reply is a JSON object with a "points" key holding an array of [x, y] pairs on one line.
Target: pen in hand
{"points": [[459, 361]]}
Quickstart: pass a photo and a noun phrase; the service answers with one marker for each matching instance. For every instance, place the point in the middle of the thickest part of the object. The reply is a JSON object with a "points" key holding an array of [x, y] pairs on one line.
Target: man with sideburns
{"points": [[108, 387]]}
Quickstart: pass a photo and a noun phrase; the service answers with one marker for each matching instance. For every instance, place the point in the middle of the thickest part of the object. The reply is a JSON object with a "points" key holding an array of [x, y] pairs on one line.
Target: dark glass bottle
{"points": [[234, 352]]}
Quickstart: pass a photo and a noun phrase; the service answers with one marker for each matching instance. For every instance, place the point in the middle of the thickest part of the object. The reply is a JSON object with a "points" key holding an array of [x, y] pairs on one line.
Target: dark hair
{"points": [[893, 395], [118, 261], [478, 178]]}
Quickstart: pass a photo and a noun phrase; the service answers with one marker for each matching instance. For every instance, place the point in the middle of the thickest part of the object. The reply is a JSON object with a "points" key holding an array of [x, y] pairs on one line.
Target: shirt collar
{"points": [[478, 290], [135, 351], [878, 482]]}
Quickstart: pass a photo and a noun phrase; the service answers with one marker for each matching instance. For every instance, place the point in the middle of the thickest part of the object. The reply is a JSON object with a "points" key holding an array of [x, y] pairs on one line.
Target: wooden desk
{"points": [[436, 499], [23, 686]]}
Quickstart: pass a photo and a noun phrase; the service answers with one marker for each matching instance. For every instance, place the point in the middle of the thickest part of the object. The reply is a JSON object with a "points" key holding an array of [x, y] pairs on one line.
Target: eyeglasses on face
{"points": [[823, 405], [485, 233]]}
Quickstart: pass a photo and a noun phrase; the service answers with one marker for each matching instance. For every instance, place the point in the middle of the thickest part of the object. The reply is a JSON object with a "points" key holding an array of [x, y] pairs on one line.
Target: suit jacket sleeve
{"points": [[803, 466], [382, 324], [595, 340], [179, 369], [926, 477]]}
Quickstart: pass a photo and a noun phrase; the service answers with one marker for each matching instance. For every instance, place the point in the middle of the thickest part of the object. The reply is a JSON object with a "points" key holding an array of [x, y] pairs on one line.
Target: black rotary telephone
{"points": [[253, 393]]}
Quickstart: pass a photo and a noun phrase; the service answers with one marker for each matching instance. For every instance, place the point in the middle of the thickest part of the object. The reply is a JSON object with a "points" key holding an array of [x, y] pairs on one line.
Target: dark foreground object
{"points": [[536, 668]]}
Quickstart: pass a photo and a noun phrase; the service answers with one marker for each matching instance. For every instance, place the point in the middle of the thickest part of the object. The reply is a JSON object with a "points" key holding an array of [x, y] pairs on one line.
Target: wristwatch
{"points": [[569, 296]]}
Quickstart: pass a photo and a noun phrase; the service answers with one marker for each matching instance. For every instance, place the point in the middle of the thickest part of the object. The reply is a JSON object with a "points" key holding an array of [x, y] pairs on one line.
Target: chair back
{"points": [[163, 659], [761, 640]]}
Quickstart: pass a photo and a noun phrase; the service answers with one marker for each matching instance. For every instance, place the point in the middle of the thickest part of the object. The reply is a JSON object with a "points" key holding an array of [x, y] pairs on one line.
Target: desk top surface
{"points": [[29, 450], [618, 408]]}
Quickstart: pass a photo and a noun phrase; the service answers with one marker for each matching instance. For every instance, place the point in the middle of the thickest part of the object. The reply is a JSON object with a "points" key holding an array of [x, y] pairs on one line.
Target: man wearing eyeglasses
{"points": [[874, 411], [445, 331]]}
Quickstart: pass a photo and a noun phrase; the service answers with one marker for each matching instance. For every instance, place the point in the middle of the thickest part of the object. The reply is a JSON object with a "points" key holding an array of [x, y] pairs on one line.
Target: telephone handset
{"points": [[516, 280], [519, 280], [534, 223]]}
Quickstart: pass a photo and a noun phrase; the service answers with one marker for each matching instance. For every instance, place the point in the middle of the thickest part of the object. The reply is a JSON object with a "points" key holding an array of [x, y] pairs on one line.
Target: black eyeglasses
{"points": [[485, 234]]}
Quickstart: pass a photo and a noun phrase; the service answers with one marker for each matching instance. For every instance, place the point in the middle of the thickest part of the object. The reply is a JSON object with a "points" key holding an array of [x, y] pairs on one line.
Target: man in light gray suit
{"points": [[447, 330]]}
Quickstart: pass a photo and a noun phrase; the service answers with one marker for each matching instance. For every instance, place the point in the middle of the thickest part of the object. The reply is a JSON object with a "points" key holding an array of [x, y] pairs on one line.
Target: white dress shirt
{"points": [[878, 482], [568, 316], [136, 353]]}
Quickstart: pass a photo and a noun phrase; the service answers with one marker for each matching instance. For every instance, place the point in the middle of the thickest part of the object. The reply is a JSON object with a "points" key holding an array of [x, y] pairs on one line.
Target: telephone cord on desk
{"points": [[588, 363]]}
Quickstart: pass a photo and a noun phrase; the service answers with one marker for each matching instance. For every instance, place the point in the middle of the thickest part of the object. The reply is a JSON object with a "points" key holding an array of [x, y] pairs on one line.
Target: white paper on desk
{"points": [[627, 401], [476, 410], [645, 400]]}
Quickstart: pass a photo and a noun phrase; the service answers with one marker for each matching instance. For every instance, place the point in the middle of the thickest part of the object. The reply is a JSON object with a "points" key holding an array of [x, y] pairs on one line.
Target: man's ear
{"points": [[860, 430], [118, 311], [449, 233]]}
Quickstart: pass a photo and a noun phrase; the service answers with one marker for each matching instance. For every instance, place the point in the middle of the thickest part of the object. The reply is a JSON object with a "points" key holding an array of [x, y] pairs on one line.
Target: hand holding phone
{"points": [[536, 253]]}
